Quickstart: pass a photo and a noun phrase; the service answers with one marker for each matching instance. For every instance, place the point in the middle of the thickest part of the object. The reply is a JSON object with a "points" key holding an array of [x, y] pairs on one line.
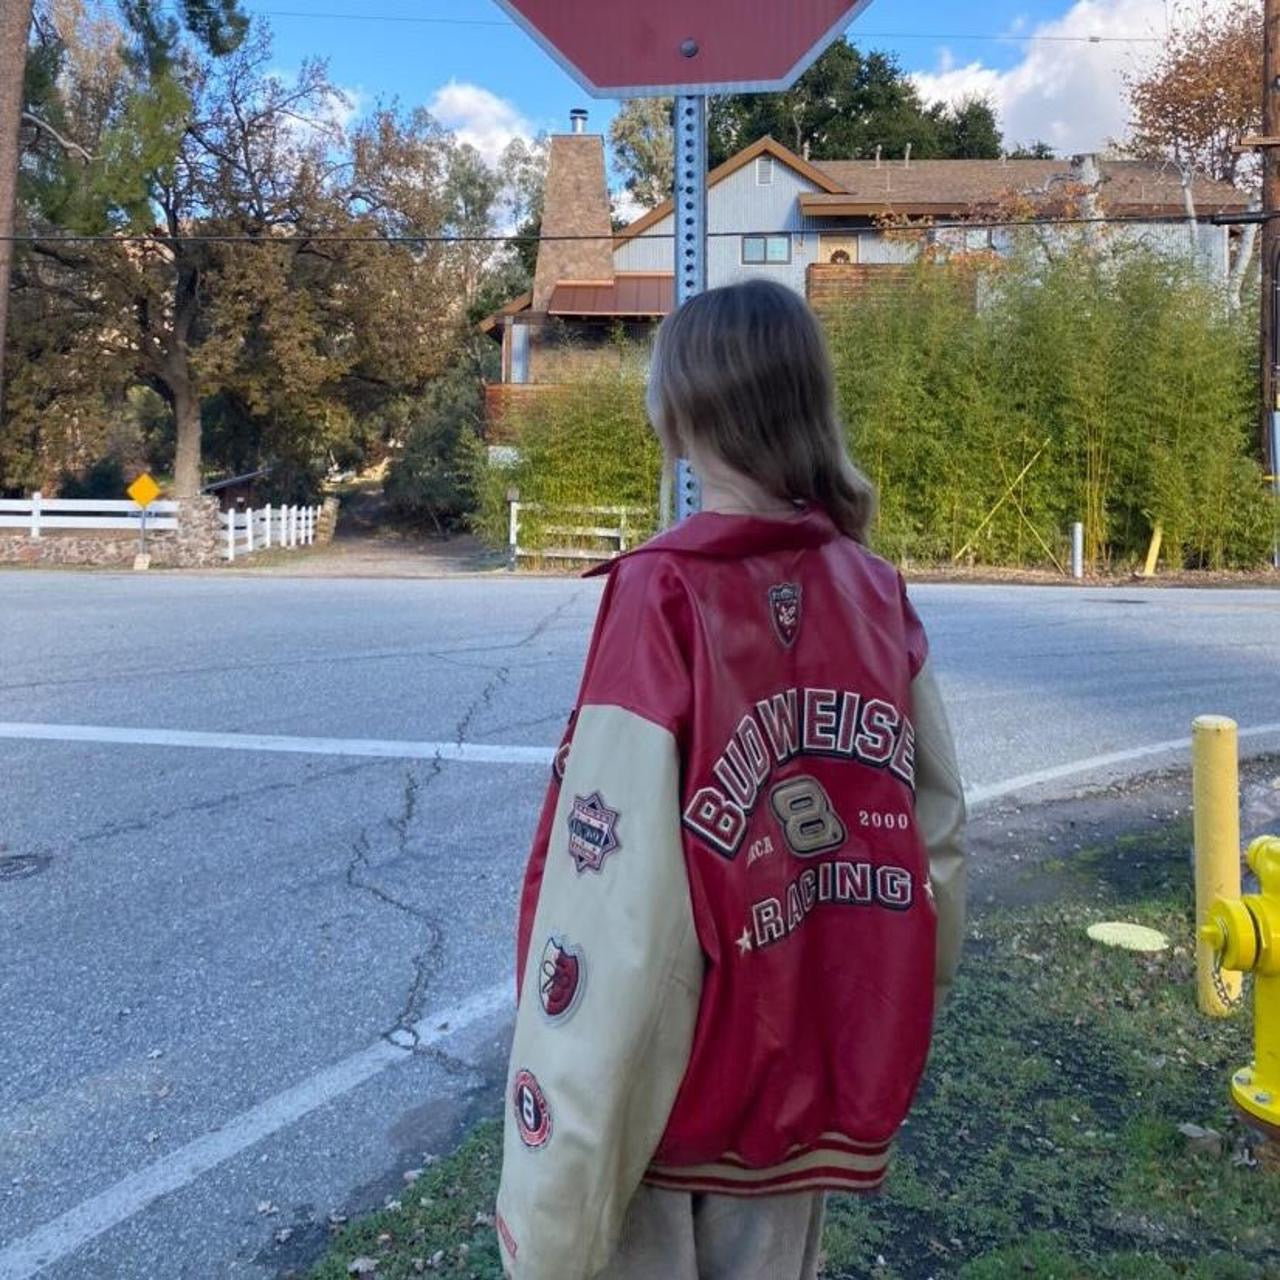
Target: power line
{"points": [[302, 237], [1006, 37]]}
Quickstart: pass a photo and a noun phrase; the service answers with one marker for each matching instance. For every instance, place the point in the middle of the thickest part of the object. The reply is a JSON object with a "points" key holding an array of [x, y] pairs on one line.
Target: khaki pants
{"points": [[672, 1235]]}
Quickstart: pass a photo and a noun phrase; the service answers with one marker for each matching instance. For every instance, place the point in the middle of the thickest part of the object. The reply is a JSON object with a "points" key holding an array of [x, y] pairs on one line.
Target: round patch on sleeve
{"points": [[533, 1116], [562, 973]]}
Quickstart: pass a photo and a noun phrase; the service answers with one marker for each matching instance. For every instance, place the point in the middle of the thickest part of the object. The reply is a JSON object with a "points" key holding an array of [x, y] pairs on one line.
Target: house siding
{"points": [[738, 204]]}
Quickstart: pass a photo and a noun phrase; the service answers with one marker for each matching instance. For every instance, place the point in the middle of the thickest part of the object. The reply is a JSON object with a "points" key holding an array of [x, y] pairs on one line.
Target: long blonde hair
{"points": [[744, 372]]}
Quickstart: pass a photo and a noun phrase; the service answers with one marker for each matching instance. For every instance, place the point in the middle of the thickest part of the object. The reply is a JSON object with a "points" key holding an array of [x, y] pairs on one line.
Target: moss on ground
{"points": [[1045, 1142]]}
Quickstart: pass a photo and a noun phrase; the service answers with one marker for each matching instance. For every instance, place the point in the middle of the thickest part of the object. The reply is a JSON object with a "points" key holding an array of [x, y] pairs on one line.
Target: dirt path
{"points": [[366, 545]]}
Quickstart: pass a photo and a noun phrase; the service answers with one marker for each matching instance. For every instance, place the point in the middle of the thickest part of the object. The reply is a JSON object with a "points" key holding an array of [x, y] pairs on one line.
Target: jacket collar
{"points": [[733, 537]]}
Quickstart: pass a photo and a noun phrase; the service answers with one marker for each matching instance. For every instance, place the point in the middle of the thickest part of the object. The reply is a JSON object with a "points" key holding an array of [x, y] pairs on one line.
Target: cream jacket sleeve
{"points": [[940, 812], [608, 1002]]}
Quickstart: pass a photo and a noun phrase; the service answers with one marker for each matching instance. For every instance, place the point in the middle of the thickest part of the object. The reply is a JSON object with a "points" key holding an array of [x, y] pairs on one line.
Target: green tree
{"points": [[117, 176], [432, 481], [968, 130], [845, 106], [301, 331], [522, 173], [642, 136], [1037, 150]]}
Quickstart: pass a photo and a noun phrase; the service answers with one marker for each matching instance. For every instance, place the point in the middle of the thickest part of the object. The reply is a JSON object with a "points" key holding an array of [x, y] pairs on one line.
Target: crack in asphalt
{"points": [[135, 826], [403, 1031], [152, 673]]}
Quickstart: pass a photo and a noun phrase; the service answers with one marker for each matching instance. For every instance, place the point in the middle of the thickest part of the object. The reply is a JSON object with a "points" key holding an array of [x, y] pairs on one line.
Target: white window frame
{"points": [[764, 171]]}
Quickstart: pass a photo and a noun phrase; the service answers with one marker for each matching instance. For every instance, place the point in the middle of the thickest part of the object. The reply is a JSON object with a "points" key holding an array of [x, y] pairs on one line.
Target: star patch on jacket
{"points": [[784, 608], [592, 832]]}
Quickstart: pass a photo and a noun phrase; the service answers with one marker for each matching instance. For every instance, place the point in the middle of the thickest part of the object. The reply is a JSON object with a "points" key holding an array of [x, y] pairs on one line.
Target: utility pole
{"points": [[15, 23], [1270, 326]]}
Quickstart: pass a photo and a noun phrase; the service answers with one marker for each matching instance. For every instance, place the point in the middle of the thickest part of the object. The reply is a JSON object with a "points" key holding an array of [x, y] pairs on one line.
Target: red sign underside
{"points": [[647, 46]]}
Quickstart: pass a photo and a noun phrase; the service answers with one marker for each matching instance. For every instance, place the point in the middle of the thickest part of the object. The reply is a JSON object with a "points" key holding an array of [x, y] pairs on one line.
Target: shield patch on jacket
{"points": [[562, 974], [592, 832], [784, 607]]}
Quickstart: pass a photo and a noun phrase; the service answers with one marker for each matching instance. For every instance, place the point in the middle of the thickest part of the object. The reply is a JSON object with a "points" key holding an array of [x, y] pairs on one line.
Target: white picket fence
{"points": [[37, 514], [259, 530]]}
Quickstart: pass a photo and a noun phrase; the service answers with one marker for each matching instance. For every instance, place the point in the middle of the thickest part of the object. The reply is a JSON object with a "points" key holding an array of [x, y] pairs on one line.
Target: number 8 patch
{"points": [[809, 823], [533, 1116]]}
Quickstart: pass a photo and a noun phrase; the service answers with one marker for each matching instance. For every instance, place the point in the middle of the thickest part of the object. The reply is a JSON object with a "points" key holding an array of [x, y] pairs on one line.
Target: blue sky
{"points": [[487, 79]]}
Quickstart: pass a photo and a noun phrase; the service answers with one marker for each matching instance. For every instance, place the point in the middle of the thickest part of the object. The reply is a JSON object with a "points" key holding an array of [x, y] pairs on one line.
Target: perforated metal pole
{"points": [[690, 210]]}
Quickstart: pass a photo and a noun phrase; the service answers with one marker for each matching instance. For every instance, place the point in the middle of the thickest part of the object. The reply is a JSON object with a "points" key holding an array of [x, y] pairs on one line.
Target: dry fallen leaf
{"points": [[1201, 1141]]}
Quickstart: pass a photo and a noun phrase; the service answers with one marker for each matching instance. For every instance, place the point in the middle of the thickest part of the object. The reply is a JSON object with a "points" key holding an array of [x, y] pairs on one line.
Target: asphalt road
{"points": [[248, 980]]}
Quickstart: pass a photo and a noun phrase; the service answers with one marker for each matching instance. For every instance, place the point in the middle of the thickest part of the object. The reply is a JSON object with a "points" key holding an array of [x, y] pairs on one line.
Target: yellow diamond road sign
{"points": [[144, 490]]}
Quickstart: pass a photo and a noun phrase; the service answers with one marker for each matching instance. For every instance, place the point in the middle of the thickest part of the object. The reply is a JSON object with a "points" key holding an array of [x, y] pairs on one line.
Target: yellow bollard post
{"points": [[1153, 551], [1216, 795]]}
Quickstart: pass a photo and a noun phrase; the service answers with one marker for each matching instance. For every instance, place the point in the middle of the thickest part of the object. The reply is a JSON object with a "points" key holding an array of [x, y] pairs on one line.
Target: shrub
{"points": [[1114, 390], [433, 480], [584, 445], [103, 479]]}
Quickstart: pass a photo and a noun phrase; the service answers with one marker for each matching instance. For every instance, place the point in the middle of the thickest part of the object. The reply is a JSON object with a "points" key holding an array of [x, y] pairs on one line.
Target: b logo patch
{"points": [[533, 1116], [784, 608], [562, 973], [592, 832]]}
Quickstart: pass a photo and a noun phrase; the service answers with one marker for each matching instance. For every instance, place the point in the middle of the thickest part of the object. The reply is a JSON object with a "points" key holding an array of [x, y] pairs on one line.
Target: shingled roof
{"points": [[1128, 186]]}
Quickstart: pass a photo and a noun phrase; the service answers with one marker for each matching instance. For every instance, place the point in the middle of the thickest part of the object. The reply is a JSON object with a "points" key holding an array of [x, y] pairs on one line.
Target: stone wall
{"points": [[197, 543], [327, 521]]}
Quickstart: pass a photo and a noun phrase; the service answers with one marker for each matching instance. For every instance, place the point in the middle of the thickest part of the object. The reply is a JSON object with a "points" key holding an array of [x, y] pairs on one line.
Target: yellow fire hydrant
{"points": [[1245, 934]]}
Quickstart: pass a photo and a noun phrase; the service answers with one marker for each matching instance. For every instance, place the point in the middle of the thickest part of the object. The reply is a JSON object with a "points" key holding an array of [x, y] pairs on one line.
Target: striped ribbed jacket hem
{"points": [[833, 1163]]}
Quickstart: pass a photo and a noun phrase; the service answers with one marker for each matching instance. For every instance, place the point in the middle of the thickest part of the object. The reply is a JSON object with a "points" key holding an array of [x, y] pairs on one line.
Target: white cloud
{"points": [[626, 206], [479, 117], [352, 106], [1068, 94]]}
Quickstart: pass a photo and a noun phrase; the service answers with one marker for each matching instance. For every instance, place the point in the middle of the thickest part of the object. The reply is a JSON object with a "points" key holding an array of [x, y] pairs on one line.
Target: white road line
{"points": [[388, 748], [985, 793], [66, 1233]]}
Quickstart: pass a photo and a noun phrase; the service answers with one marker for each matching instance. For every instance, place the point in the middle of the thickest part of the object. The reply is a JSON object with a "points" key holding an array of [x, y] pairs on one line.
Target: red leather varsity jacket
{"points": [[729, 931]]}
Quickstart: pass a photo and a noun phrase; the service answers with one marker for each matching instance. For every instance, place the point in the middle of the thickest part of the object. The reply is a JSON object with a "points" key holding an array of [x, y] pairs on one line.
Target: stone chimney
{"points": [[575, 204]]}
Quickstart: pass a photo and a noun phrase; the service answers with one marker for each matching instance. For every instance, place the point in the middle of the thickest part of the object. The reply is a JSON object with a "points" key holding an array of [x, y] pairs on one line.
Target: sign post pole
{"points": [[689, 49], [690, 214], [144, 491]]}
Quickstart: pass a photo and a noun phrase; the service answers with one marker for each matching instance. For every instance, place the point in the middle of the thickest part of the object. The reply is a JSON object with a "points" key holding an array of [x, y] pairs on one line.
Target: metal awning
{"points": [[628, 294]]}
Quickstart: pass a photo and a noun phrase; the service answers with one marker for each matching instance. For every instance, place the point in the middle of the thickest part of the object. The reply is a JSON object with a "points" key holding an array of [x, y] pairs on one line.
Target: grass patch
{"points": [[1045, 1142]]}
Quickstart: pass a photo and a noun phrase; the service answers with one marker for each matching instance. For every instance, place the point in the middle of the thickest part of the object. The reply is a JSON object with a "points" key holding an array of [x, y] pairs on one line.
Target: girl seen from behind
{"points": [[746, 892]]}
